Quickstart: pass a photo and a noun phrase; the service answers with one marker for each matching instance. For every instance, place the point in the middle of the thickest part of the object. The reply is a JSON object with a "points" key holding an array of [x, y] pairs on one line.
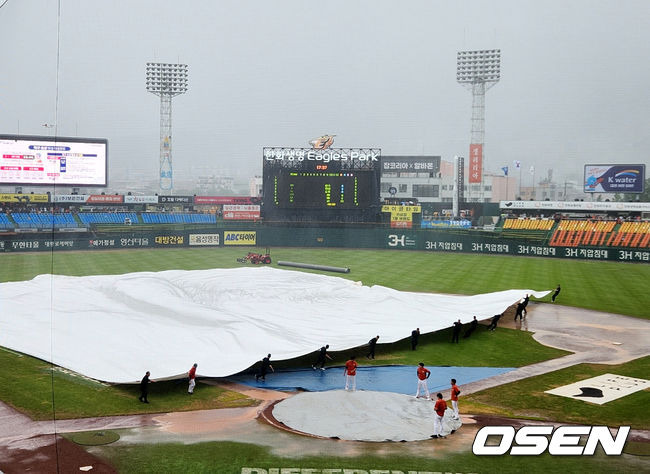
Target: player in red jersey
{"points": [[192, 376], [439, 408], [423, 375], [351, 374], [454, 398]]}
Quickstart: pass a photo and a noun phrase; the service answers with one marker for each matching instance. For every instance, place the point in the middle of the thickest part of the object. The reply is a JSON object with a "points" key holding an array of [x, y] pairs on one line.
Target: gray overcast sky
{"points": [[573, 89]]}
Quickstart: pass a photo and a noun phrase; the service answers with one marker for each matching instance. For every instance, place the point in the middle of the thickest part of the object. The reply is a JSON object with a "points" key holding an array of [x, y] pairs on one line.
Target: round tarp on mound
{"points": [[362, 416]]}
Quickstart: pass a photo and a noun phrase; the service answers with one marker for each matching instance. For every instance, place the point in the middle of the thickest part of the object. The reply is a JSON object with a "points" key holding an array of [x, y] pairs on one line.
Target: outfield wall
{"points": [[241, 235]]}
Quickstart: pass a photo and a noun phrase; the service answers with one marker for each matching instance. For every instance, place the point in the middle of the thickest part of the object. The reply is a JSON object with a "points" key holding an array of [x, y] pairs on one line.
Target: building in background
{"points": [[429, 179]]}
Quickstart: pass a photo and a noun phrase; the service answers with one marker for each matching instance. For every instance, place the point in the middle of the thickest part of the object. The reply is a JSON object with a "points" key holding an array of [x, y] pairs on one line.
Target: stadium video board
{"points": [[38, 160], [324, 189], [614, 178], [341, 179]]}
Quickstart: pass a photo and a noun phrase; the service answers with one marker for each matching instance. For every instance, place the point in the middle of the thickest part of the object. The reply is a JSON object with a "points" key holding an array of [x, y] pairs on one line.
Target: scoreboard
{"points": [[335, 181], [322, 188]]}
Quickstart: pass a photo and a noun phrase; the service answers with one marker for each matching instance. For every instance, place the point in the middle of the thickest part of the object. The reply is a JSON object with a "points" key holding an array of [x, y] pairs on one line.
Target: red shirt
{"points": [[351, 367], [423, 373], [441, 407], [192, 373], [454, 392]]}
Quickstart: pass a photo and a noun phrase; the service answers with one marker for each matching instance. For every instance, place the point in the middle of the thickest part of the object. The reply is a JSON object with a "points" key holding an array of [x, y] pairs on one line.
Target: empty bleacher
{"points": [[574, 233], [529, 224], [88, 218], [35, 220], [177, 218], [631, 234], [5, 222]]}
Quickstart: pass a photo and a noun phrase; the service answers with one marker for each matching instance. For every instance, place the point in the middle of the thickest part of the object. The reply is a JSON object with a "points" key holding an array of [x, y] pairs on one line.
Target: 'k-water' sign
{"points": [[614, 178]]}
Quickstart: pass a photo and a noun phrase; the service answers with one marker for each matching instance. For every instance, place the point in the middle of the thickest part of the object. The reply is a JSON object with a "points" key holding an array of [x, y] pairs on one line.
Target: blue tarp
{"points": [[392, 378]]}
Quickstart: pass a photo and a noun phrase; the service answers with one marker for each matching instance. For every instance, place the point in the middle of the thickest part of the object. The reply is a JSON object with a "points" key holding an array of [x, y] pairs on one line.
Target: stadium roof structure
{"points": [[114, 328]]}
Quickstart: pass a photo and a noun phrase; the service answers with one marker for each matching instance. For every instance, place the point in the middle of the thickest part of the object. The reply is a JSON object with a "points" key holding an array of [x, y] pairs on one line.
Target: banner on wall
{"points": [[105, 199], [204, 239], [237, 212], [24, 198], [401, 217], [239, 237]]}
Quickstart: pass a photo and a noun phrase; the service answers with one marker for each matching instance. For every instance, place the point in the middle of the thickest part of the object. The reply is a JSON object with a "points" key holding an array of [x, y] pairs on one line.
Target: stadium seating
{"points": [[529, 224], [177, 218], [574, 233], [5, 223], [88, 218], [35, 220], [631, 234]]}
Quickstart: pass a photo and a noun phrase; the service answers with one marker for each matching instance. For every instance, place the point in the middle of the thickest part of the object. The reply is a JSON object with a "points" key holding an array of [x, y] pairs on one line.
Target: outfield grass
{"points": [[80, 397], [605, 286], [482, 349], [32, 383], [229, 458], [526, 398]]}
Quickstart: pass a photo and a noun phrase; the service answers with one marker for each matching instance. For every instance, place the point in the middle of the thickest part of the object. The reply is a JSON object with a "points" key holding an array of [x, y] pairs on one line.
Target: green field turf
{"points": [[77, 397], [229, 458], [605, 286], [526, 398], [33, 382]]}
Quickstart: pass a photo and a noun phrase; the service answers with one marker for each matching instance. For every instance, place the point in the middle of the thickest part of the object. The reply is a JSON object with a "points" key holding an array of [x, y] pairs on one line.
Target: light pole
{"points": [[166, 81], [478, 71]]}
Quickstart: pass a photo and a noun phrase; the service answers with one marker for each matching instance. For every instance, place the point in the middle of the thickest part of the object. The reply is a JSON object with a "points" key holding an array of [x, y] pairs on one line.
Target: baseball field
{"points": [[43, 392]]}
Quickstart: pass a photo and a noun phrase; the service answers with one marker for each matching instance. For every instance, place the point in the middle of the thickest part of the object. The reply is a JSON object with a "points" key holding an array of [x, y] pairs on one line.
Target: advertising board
{"points": [[614, 178], [37, 160]]}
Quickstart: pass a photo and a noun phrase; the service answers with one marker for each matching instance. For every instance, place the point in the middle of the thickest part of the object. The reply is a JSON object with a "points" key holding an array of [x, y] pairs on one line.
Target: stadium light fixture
{"points": [[166, 81], [478, 71]]}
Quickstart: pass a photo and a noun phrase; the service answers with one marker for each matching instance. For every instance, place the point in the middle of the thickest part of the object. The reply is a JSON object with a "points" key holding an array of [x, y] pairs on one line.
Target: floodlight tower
{"points": [[478, 71], [166, 81]]}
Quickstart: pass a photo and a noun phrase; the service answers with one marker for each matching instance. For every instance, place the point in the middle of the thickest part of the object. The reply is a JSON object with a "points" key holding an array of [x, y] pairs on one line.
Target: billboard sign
{"points": [[36, 160], [105, 199], [24, 198], [204, 239], [475, 163], [225, 200], [238, 212], [401, 217], [297, 155], [239, 237], [614, 178], [140, 199], [69, 198], [175, 199], [577, 206], [427, 164]]}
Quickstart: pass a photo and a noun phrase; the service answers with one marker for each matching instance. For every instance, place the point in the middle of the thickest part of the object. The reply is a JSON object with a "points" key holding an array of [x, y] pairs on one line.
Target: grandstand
{"points": [[574, 233], [5, 223], [88, 218], [631, 234], [36, 220], [177, 218]]}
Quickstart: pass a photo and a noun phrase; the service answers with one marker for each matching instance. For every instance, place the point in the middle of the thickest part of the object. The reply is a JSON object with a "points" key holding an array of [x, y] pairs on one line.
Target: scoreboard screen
{"points": [[321, 189], [37, 160]]}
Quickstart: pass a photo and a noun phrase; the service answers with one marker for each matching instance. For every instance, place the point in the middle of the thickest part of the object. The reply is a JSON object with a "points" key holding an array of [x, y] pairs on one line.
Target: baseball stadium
{"points": [[252, 295]]}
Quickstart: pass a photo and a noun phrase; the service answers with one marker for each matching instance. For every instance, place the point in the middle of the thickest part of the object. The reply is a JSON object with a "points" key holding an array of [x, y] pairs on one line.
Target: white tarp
{"points": [[363, 416], [116, 327]]}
